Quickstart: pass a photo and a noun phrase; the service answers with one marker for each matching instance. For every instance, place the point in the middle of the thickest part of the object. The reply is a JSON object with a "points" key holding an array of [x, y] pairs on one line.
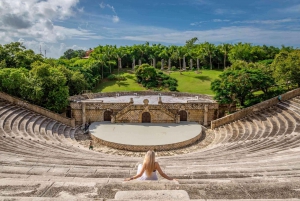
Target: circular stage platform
{"points": [[145, 136]]}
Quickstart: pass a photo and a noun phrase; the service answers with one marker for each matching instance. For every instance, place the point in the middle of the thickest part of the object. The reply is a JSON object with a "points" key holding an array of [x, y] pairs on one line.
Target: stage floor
{"points": [[145, 134]]}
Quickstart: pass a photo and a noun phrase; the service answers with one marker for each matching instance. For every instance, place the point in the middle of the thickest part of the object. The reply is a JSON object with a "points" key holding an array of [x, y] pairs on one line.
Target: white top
{"points": [[144, 176]]}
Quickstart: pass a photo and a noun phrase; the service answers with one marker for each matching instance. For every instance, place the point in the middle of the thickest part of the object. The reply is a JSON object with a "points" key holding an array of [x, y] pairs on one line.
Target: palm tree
{"points": [[225, 48], [120, 54], [101, 58], [210, 51]]}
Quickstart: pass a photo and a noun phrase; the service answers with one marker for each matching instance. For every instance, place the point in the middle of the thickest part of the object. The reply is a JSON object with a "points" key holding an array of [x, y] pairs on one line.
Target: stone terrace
{"points": [[256, 157]]}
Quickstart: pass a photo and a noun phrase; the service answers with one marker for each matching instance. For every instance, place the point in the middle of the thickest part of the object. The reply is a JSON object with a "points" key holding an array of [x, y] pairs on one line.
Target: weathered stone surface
{"points": [[152, 195]]}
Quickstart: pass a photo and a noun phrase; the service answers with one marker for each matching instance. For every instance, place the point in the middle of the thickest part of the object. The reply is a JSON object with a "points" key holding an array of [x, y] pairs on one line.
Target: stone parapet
{"points": [[255, 108], [38, 109], [138, 93], [142, 148]]}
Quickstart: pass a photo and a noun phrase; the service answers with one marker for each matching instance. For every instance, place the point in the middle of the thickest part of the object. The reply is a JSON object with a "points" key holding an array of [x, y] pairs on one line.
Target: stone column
{"points": [[177, 119], [113, 119], [159, 100], [140, 62], [154, 62], [162, 64], [198, 64], [169, 64], [191, 64], [205, 115], [184, 64], [83, 106]]}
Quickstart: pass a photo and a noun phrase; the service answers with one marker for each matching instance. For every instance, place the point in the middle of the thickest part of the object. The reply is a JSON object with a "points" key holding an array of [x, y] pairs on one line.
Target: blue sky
{"points": [[57, 25]]}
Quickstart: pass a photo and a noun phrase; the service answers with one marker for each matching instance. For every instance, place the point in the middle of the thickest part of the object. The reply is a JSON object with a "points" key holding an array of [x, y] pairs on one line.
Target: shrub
{"points": [[158, 65], [172, 88], [111, 77], [116, 77], [173, 68]]}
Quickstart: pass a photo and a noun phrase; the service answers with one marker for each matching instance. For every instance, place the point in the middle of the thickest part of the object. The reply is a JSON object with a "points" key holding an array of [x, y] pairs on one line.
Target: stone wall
{"points": [[131, 113], [139, 93], [38, 109], [258, 107], [144, 148]]}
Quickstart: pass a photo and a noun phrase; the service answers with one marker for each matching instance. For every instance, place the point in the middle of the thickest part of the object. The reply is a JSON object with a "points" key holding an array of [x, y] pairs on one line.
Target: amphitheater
{"points": [[251, 154]]}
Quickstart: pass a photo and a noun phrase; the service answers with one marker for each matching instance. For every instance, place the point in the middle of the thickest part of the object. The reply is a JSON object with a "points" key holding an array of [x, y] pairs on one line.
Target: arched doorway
{"points": [[146, 117], [183, 115], [107, 115]]}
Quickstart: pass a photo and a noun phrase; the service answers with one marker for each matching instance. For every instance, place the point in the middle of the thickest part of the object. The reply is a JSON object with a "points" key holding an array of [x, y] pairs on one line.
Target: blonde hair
{"points": [[149, 163]]}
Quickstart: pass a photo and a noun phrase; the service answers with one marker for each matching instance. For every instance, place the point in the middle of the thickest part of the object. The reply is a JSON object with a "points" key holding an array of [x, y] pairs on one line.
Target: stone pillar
{"points": [[83, 106], [162, 64], [140, 62], [205, 115], [197, 63], [184, 64], [177, 119], [154, 63], [191, 64], [159, 100], [169, 64], [113, 119]]}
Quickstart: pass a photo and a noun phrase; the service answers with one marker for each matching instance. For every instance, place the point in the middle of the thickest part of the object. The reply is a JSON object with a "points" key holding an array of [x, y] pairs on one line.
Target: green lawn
{"points": [[196, 83], [189, 81], [129, 84]]}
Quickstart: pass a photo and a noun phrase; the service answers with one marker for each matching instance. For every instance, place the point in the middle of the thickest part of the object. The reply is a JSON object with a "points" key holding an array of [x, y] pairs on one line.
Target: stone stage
{"points": [[145, 136]]}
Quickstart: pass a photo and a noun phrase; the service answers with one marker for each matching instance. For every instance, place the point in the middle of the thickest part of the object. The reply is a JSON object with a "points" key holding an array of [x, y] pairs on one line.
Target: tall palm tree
{"points": [[225, 48], [210, 51], [101, 58]]}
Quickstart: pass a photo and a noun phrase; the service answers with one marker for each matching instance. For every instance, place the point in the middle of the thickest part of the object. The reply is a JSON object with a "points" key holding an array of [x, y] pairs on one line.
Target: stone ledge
{"points": [[139, 148], [152, 195]]}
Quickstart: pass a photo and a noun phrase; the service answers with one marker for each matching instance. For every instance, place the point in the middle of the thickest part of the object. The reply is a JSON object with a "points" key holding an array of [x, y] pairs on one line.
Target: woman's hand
{"points": [[127, 179]]}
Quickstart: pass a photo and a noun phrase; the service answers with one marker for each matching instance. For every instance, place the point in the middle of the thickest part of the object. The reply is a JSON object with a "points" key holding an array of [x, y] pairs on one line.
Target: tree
{"points": [[287, 67], [239, 84], [210, 51], [225, 48], [53, 83]]}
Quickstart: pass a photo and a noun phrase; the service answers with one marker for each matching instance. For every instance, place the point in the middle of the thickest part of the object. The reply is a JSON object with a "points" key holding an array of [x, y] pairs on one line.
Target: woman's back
{"points": [[153, 175]]}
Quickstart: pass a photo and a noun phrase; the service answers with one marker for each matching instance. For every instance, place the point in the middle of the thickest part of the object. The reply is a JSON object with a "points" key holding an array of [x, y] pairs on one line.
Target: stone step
{"points": [[152, 195]]}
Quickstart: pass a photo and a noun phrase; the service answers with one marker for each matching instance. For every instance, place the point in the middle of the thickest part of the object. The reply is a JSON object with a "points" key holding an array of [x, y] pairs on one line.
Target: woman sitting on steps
{"points": [[147, 171]]}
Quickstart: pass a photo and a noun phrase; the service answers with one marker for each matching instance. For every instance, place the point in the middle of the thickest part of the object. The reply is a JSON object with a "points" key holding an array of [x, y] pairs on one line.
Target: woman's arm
{"points": [[136, 176], [157, 166]]}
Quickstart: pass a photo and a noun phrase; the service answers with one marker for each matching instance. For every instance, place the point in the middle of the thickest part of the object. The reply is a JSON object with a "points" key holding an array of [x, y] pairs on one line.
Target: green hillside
{"points": [[188, 81]]}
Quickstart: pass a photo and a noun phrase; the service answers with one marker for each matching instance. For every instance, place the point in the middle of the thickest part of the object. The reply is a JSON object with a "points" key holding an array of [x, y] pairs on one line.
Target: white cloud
{"points": [[220, 20], [220, 11], [292, 9], [102, 5], [115, 19], [226, 34], [34, 22], [267, 21]]}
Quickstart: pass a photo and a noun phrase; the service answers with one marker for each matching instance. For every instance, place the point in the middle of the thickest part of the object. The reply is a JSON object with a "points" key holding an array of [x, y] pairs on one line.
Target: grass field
{"points": [[196, 83], [189, 81], [129, 84]]}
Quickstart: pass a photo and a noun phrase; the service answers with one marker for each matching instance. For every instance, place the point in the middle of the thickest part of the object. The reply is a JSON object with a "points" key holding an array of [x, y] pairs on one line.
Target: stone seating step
{"points": [[152, 195]]}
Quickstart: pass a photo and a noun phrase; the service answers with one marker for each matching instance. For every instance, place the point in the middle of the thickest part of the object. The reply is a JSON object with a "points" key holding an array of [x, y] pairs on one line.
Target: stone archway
{"points": [[146, 117], [183, 115], [107, 115]]}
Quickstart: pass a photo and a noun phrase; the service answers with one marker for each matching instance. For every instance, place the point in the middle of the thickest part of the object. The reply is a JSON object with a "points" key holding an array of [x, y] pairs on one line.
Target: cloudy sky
{"points": [[57, 25]]}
